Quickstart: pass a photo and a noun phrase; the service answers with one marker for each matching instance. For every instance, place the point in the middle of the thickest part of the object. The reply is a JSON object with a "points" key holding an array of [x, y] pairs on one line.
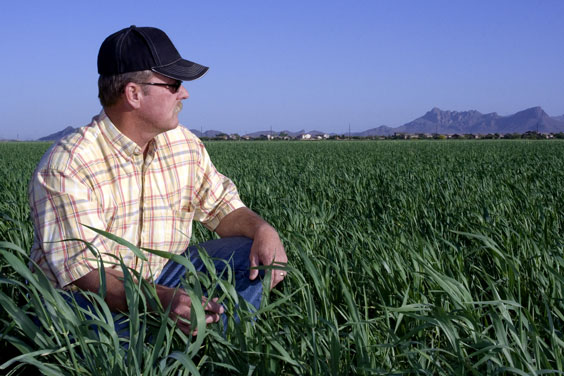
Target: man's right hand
{"points": [[181, 304], [178, 299]]}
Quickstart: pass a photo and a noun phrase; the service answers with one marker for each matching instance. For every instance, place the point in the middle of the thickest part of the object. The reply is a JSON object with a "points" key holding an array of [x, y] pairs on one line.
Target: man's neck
{"points": [[126, 124]]}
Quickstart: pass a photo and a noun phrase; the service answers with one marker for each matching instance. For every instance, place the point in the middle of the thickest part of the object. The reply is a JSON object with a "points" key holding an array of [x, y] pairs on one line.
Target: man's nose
{"points": [[183, 93]]}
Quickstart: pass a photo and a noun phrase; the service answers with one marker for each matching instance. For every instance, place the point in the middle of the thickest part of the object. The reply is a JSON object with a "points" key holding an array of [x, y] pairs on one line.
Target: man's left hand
{"points": [[267, 249]]}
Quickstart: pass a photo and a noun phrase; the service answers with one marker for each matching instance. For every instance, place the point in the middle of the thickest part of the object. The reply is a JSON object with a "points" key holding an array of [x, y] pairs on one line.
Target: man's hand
{"points": [[181, 306], [267, 249]]}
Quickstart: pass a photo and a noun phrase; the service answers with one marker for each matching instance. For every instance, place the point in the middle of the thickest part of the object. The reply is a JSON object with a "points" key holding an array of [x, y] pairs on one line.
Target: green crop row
{"points": [[405, 257]]}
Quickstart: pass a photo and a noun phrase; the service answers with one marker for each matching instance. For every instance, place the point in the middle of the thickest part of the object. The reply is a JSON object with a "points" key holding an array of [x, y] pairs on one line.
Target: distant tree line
{"points": [[530, 135]]}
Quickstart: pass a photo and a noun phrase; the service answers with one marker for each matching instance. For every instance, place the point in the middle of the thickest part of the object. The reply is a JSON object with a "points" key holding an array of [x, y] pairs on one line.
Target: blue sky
{"points": [[292, 64]]}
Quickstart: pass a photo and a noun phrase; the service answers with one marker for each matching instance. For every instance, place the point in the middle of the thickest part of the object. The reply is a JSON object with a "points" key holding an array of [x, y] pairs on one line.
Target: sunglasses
{"points": [[174, 87]]}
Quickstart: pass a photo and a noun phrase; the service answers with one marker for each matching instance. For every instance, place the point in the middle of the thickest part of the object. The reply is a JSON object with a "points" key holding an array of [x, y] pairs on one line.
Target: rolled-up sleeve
{"points": [[216, 195]]}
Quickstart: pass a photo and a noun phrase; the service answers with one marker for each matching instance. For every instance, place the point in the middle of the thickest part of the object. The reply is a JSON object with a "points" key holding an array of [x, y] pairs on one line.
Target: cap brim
{"points": [[182, 70]]}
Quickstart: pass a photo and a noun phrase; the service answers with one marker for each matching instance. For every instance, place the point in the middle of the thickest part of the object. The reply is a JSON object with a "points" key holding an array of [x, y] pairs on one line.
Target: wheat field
{"points": [[406, 257]]}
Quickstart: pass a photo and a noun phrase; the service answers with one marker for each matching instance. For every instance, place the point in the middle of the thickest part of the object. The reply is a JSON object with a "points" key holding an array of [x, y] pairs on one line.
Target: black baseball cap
{"points": [[145, 48]]}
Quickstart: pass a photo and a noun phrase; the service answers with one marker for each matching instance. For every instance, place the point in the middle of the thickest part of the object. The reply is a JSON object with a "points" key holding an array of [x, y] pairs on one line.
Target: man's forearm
{"points": [[177, 299], [115, 291], [241, 222]]}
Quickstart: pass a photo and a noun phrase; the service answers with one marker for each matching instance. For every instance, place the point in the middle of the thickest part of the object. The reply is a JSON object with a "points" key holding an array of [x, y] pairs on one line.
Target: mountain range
{"points": [[434, 121], [474, 122]]}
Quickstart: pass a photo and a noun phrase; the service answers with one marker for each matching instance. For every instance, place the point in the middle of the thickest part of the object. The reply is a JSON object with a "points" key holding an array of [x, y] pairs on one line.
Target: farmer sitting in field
{"points": [[135, 173]]}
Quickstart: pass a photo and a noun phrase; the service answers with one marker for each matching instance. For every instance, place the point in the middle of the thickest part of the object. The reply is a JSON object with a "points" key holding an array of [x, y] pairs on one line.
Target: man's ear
{"points": [[133, 94]]}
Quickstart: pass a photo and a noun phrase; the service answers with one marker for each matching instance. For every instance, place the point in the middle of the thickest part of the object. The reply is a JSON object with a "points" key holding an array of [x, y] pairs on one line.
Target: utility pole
{"points": [[349, 131]]}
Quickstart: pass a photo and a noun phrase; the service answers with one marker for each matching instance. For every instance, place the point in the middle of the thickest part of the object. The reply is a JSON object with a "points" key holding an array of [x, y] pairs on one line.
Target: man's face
{"points": [[161, 105]]}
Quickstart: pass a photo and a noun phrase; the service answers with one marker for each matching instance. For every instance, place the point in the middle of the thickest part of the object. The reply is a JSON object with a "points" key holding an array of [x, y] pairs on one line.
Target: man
{"points": [[134, 172]]}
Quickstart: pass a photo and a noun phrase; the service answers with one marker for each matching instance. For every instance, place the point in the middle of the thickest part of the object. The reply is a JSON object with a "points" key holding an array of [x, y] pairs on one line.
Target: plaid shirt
{"points": [[98, 177]]}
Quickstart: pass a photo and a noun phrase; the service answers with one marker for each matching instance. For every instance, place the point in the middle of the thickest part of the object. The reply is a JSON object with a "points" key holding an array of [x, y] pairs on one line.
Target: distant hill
{"points": [[257, 134], [58, 135], [434, 121], [210, 134], [382, 130]]}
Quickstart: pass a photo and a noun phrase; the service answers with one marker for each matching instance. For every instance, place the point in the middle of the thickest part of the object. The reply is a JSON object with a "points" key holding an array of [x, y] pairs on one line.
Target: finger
{"points": [[277, 277], [213, 306], [254, 261], [211, 318]]}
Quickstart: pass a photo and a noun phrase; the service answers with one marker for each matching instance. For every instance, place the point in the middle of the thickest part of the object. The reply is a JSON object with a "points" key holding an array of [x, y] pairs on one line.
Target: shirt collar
{"points": [[121, 141]]}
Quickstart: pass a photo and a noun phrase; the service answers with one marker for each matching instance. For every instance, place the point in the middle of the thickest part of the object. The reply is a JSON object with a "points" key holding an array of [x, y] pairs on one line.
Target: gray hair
{"points": [[110, 88]]}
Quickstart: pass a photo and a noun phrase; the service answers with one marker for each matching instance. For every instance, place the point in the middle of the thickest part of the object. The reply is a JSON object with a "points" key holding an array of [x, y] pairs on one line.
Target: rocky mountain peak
{"points": [[438, 116], [535, 112], [434, 114]]}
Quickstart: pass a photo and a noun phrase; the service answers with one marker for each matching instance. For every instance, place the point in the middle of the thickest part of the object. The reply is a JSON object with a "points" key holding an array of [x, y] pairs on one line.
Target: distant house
{"points": [[401, 136], [267, 137], [305, 136]]}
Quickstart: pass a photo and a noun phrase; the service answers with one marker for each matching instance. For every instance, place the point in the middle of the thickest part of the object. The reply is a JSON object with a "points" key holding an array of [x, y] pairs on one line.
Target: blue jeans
{"points": [[234, 250]]}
